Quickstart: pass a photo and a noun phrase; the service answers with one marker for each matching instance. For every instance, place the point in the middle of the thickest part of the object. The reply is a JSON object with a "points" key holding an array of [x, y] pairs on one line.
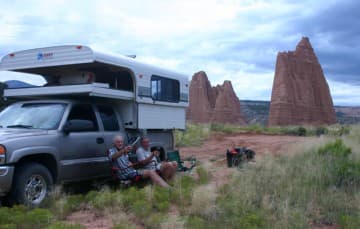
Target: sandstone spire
{"points": [[300, 94], [213, 104]]}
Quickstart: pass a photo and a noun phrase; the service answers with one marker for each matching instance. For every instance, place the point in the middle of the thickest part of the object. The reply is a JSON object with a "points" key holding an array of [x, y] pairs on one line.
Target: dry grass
{"points": [[306, 187]]}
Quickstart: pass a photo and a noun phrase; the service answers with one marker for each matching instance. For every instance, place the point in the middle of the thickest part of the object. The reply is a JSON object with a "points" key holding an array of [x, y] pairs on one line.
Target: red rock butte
{"points": [[213, 104], [300, 94]]}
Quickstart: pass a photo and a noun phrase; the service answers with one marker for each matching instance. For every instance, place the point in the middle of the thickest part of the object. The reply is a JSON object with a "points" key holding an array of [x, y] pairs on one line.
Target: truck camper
{"points": [[59, 132]]}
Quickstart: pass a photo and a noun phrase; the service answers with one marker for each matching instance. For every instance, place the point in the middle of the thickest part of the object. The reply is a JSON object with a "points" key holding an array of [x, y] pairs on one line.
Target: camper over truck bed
{"points": [[147, 97]]}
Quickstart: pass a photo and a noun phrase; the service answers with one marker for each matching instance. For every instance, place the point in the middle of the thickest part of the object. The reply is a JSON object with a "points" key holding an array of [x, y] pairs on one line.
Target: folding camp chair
{"points": [[114, 172], [175, 156]]}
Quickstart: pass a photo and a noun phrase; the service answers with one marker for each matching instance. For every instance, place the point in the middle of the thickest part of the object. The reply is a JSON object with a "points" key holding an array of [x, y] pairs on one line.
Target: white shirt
{"points": [[142, 154]]}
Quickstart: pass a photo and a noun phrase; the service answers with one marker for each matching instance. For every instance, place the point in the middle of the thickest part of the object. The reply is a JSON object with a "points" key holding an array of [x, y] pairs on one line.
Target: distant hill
{"points": [[17, 84], [257, 112]]}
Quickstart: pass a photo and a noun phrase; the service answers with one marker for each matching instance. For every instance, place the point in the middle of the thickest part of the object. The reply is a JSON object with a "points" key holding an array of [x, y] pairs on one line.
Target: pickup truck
{"points": [[44, 142]]}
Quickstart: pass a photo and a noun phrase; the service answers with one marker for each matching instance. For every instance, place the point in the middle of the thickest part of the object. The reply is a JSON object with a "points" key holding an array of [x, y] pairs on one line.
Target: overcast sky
{"points": [[230, 40]]}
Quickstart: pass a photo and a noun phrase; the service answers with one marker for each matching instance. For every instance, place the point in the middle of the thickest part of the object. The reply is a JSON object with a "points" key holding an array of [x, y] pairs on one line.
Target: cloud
{"points": [[236, 40]]}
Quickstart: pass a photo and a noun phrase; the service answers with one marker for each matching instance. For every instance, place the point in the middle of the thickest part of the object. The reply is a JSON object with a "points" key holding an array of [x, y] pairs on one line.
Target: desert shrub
{"points": [[141, 208], [203, 203], [250, 220], [319, 186], [301, 131], [154, 220], [338, 130], [321, 130], [336, 148], [105, 198], [194, 135], [349, 222], [123, 226], [64, 225], [22, 217], [204, 175], [131, 195], [343, 171], [182, 192], [74, 203], [161, 199], [224, 128], [196, 223]]}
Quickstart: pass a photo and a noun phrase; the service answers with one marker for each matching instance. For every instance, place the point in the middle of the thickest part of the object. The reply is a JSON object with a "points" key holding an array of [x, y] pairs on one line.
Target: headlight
{"points": [[2, 154]]}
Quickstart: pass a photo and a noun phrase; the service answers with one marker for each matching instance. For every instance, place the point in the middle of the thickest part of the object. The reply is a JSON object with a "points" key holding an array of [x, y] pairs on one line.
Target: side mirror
{"points": [[78, 125]]}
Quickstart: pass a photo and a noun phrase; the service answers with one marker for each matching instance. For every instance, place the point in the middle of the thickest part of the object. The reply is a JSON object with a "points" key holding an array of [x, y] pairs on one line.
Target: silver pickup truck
{"points": [[43, 142]]}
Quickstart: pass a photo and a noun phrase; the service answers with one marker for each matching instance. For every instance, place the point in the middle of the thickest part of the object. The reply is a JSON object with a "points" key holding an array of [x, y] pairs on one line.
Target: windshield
{"points": [[33, 116]]}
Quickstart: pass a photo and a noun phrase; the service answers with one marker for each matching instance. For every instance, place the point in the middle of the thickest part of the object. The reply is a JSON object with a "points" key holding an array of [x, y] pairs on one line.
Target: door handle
{"points": [[99, 140]]}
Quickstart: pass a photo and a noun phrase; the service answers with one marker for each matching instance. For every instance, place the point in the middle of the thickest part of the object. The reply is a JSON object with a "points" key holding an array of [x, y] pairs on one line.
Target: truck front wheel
{"points": [[32, 183]]}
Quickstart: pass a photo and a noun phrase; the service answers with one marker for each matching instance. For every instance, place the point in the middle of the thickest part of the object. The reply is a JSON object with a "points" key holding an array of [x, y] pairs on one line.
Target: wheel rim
{"points": [[35, 189]]}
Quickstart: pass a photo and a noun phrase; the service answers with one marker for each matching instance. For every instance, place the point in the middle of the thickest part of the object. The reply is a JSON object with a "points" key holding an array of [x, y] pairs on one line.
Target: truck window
{"points": [[83, 112], [108, 118], [165, 89]]}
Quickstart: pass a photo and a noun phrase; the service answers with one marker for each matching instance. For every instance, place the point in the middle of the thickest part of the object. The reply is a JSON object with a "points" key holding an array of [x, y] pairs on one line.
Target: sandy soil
{"points": [[213, 150], [90, 220], [212, 155], [216, 146]]}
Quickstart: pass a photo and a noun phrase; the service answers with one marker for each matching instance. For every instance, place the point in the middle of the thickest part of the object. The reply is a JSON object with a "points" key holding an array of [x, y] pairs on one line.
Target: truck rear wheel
{"points": [[32, 183]]}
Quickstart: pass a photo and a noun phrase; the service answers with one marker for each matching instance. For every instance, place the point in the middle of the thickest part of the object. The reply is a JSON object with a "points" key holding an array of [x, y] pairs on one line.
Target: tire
{"points": [[32, 184]]}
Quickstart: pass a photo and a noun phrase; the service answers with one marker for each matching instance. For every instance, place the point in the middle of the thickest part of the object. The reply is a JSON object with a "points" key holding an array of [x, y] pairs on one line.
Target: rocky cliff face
{"points": [[213, 104], [300, 94]]}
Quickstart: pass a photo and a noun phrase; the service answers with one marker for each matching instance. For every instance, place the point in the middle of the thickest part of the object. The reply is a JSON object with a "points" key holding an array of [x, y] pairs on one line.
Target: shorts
{"points": [[156, 168], [132, 176]]}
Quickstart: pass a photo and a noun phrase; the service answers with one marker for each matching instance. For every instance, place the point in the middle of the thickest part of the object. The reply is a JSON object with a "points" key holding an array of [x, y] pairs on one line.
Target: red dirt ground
{"points": [[213, 152]]}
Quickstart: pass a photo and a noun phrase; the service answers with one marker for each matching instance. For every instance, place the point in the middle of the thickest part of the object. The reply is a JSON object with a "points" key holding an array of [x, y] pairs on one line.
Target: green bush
{"points": [[336, 148], [250, 220], [349, 222], [22, 217], [161, 199], [343, 171], [64, 225], [182, 192], [124, 226], [194, 135], [321, 131], [204, 175], [74, 202], [141, 208], [196, 223], [301, 131], [290, 192], [106, 198]]}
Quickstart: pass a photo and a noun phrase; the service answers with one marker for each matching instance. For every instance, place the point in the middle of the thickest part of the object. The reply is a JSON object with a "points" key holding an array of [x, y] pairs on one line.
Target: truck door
{"points": [[81, 152], [111, 127]]}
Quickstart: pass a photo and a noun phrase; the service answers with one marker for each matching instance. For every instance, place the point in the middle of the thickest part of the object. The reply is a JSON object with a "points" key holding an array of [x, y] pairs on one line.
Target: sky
{"points": [[229, 40]]}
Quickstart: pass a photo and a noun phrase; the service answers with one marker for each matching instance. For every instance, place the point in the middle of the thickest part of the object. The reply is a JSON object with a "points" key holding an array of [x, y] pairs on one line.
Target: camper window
{"points": [[165, 89], [121, 80]]}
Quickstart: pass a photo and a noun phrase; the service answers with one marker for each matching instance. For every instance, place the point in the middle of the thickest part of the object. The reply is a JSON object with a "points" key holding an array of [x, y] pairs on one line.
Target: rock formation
{"points": [[213, 104], [300, 94]]}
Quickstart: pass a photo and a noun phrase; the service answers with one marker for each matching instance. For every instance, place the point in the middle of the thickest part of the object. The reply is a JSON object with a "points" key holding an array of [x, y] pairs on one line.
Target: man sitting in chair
{"points": [[119, 156], [150, 161]]}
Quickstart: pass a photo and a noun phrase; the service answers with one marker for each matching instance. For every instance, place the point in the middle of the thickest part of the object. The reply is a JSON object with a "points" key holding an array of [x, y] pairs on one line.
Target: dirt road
{"points": [[262, 144], [212, 152]]}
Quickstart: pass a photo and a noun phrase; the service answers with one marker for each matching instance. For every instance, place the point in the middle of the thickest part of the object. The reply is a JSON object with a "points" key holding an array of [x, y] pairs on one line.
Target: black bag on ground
{"points": [[239, 155]]}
